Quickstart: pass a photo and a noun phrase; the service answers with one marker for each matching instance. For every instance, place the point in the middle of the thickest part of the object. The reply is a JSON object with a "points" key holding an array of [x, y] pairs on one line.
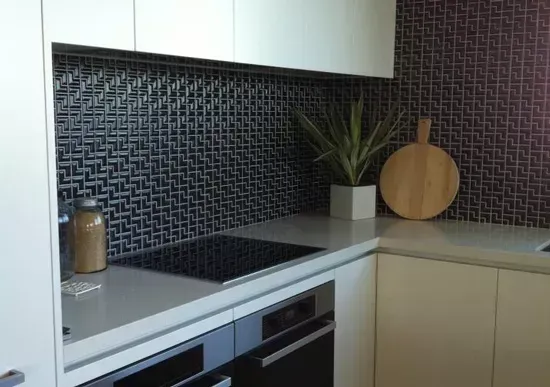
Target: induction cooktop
{"points": [[219, 258]]}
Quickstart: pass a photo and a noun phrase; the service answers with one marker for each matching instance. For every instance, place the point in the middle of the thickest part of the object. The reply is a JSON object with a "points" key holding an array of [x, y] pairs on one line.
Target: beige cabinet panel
{"points": [[435, 323], [522, 346], [355, 323]]}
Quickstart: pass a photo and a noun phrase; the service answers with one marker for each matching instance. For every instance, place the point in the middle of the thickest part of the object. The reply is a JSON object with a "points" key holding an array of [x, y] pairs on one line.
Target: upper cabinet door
{"points": [[339, 36], [270, 33], [98, 23], [327, 39], [372, 26], [350, 36], [192, 28]]}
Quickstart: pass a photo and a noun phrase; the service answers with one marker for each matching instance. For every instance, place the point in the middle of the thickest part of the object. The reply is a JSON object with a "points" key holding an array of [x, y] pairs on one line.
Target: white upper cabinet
{"points": [[339, 36], [328, 39], [98, 23], [192, 28], [372, 26], [270, 33]]}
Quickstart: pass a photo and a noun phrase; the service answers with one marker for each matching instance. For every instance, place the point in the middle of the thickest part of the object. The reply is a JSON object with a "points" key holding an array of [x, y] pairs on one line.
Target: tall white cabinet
{"points": [[26, 296], [435, 323], [355, 310], [522, 347]]}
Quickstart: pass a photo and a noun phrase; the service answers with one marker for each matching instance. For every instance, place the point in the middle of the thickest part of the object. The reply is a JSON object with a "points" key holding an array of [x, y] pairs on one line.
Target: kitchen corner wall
{"points": [[178, 148], [480, 70]]}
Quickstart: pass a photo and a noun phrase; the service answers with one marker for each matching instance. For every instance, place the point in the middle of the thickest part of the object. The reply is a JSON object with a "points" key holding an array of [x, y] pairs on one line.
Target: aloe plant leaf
{"points": [[373, 135], [347, 167], [324, 155], [333, 132], [342, 147], [354, 157], [363, 170], [314, 131], [355, 121], [338, 125]]}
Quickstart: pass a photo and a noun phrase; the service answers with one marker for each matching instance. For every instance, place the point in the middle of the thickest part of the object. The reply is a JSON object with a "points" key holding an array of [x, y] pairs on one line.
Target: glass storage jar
{"points": [[66, 254], [88, 236]]}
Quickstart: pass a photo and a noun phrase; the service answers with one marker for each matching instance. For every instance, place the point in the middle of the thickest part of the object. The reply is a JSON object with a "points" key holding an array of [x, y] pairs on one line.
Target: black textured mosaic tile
{"points": [[481, 71], [180, 150]]}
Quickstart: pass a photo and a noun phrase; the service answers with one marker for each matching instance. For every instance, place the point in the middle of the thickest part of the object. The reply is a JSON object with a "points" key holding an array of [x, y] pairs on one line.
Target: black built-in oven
{"points": [[288, 344], [285, 345], [202, 362]]}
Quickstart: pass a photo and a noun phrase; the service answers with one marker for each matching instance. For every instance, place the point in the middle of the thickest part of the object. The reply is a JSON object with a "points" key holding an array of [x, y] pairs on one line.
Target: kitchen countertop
{"points": [[134, 304]]}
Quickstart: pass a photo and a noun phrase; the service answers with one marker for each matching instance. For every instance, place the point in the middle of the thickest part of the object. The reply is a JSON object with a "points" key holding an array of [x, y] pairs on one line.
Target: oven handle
{"points": [[328, 327], [219, 380], [12, 378], [222, 381]]}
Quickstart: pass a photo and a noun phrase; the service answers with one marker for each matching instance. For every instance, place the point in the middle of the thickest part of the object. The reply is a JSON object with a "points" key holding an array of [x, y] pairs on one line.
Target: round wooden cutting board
{"points": [[420, 180]]}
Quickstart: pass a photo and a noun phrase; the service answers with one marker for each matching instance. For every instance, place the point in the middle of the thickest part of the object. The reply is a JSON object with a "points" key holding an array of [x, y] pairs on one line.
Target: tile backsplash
{"points": [[481, 71], [179, 150]]}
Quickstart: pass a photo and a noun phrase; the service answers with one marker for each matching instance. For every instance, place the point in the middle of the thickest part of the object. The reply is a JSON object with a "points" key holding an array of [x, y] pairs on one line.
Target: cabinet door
{"points": [[339, 36], [328, 39], [26, 303], [98, 23], [271, 33], [355, 323], [192, 28], [435, 323], [522, 347], [372, 27]]}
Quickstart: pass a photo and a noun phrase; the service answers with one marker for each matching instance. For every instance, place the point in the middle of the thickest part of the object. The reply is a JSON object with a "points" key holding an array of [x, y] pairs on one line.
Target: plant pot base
{"points": [[352, 203]]}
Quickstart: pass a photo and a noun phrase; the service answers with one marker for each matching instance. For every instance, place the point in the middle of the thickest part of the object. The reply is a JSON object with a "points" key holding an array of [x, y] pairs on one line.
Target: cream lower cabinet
{"points": [[355, 323], [522, 347], [435, 323]]}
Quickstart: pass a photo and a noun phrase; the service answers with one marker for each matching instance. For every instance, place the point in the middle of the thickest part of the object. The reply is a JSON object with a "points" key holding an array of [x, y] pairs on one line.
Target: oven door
{"points": [[205, 361], [302, 357]]}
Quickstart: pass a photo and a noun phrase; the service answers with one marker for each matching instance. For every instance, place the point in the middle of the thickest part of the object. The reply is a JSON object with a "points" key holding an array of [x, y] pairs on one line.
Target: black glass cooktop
{"points": [[219, 258]]}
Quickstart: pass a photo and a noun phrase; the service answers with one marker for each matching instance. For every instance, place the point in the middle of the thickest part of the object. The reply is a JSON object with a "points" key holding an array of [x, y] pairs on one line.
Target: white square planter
{"points": [[352, 203]]}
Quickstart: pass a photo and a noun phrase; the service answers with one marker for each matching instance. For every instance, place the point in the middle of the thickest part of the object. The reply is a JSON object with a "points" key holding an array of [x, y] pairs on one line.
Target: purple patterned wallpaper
{"points": [[480, 69]]}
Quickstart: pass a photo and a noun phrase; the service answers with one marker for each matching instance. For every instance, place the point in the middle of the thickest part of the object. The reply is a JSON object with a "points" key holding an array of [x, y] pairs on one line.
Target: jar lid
{"points": [[86, 202]]}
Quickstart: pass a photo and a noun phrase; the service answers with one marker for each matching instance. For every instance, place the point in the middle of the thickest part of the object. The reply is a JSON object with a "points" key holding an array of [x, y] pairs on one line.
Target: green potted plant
{"points": [[349, 155]]}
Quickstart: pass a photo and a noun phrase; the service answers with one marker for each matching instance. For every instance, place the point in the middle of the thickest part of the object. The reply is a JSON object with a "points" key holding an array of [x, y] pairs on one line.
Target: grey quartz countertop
{"points": [[135, 303]]}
